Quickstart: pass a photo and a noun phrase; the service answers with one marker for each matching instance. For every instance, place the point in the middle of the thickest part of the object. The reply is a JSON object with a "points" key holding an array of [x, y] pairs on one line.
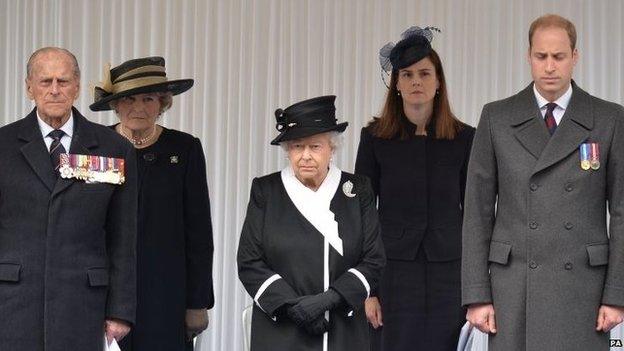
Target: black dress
{"points": [[420, 183], [281, 256], [174, 242]]}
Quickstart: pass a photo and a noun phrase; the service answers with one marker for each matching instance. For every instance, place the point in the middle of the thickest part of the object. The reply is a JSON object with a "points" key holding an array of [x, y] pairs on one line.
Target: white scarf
{"points": [[314, 205]]}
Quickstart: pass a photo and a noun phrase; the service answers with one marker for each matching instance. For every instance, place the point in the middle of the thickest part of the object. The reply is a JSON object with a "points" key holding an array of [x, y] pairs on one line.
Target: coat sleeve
{"points": [[366, 165], [121, 233], [464, 169], [613, 291], [479, 215], [267, 288], [356, 284], [365, 162], [198, 232]]}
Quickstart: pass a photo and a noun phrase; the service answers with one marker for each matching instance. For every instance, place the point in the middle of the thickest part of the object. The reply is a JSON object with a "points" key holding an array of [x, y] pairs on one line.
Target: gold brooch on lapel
{"points": [[92, 168], [173, 159], [347, 189]]}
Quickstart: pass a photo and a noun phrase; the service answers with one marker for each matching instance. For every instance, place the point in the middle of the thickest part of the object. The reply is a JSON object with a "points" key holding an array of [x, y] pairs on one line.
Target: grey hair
{"points": [[335, 141], [35, 55]]}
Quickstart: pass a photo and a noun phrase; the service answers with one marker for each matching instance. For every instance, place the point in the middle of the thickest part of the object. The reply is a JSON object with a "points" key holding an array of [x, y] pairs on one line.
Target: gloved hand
{"points": [[196, 321], [318, 326], [309, 308]]}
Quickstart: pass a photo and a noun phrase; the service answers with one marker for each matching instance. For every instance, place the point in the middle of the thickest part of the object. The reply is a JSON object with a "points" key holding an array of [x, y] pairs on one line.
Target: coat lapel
{"points": [[574, 129], [83, 140], [531, 130], [35, 151]]}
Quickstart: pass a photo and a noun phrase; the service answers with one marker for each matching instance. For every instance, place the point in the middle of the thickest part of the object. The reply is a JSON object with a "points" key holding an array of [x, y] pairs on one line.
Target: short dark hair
{"points": [[556, 21], [33, 57]]}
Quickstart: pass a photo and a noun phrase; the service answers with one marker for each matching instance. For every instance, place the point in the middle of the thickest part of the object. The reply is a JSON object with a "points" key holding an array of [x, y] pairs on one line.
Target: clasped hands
{"points": [[308, 312]]}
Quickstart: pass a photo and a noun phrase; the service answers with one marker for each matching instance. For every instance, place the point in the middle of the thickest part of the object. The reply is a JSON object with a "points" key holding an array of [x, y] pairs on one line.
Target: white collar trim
{"points": [[314, 205]]}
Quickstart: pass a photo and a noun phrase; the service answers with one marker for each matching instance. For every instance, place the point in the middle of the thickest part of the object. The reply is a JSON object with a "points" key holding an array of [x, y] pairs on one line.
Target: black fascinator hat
{"points": [[415, 44], [306, 118]]}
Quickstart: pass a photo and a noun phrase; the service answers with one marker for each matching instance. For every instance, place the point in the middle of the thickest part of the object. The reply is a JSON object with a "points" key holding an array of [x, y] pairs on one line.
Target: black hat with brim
{"points": [[138, 76], [307, 118]]}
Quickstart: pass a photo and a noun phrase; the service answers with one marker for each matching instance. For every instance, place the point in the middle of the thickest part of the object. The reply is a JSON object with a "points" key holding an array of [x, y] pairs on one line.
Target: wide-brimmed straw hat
{"points": [[306, 118], [138, 76]]}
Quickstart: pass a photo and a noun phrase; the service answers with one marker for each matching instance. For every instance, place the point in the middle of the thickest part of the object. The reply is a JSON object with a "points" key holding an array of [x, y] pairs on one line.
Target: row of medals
{"points": [[84, 172], [90, 176], [590, 156]]}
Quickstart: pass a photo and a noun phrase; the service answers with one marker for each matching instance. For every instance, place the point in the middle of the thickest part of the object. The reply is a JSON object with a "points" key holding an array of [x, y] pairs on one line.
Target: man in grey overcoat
{"points": [[67, 246], [539, 269]]}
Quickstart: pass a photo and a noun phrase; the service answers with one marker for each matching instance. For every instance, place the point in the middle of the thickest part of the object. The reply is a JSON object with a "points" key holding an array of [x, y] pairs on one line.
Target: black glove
{"points": [[318, 326], [309, 308]]}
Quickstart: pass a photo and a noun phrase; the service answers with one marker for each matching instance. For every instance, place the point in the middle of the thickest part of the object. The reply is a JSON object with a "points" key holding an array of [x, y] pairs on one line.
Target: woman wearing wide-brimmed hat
{"points": [[174, 241], [310, 250], [416, 155]]}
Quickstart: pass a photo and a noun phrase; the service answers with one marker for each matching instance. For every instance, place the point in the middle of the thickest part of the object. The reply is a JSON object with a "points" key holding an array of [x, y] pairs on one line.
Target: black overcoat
{"points": [[277, 239], [67, 248], [174, 242]]}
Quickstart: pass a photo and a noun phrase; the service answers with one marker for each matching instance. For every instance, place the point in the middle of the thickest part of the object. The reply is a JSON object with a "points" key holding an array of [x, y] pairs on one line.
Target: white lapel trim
{"points": [[314, 205]]}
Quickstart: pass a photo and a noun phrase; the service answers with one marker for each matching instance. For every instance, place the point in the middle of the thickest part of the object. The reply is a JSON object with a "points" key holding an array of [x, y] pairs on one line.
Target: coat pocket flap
{"points": [[499, 252], [598, 254], [10, 272], [97, 276]]}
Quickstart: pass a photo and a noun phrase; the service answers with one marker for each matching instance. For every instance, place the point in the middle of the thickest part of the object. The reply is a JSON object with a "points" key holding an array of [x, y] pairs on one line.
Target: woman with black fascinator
{"points": [[416, 155]]}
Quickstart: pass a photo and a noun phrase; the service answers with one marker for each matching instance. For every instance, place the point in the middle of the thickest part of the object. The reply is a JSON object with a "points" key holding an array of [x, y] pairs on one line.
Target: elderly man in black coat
{"points": [[67, 238]]}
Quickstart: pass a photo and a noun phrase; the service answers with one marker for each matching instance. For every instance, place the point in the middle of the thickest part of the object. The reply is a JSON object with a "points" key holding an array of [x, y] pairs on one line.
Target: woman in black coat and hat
{"points": [[416, 154], [310, 250], [174, 237]]}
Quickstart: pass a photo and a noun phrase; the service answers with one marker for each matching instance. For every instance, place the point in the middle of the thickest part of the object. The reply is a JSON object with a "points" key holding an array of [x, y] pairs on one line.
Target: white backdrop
{"points": [[249, 57]]}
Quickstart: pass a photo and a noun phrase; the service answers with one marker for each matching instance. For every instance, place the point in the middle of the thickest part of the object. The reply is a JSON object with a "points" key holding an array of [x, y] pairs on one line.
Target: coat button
{"points": [[533, 264], [533, 186], [569, 225], [569, 187], [568, 266], [533, 225]]}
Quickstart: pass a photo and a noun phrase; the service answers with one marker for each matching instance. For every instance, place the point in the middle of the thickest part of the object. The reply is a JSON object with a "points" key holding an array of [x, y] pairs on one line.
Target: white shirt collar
{"points": [[68, 127], [562, 102]]}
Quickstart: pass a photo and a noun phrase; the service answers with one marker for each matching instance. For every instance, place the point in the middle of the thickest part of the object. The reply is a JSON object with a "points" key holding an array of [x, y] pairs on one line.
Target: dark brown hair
{"points": [[392, 121], [556, 21]]}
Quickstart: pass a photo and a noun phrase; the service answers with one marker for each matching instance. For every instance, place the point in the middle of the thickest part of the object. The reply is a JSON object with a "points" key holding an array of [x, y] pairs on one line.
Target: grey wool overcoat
{"points": [[535, 239], [67, 248]]}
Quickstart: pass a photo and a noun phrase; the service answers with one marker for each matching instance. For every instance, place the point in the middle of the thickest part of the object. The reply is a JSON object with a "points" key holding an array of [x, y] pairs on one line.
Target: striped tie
{"points": [[56, 148], [551, 124]]}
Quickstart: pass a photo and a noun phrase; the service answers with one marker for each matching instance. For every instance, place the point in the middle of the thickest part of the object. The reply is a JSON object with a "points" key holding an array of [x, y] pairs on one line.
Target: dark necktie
{"points": [[56, 148], [551, 124]]}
